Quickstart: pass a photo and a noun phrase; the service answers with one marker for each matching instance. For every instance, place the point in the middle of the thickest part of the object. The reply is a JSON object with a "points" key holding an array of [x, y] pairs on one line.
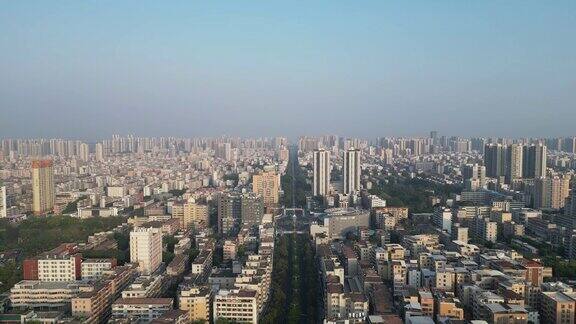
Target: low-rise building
{"points": [[92, 269], [237, 305], [197, 301], [141, 309]]}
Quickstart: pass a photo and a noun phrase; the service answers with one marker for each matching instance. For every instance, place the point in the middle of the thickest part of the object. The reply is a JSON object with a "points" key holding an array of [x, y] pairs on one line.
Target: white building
{"points": [[443, 219], [146, 249], [236, 305], [95, 268], [144, 310], [322, 171], [351, 171], [59, 268], [46, 295], [3, 204]]}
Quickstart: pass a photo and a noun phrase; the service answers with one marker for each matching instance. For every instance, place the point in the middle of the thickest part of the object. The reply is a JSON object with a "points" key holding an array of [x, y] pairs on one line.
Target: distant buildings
{"points": [[495, 160], [84, 152], [515, 161], [43, 192], [99, 152], [534, 165]]}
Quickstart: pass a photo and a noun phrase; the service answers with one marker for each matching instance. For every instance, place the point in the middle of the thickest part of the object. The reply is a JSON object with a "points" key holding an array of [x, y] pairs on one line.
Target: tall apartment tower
{"points": [[534, 165], [322, 171], [99, 152], [3, 205], [229, 211], [84, 152], [569, 144], [252, 209], [495, 160], [42, 187], [514, 165], [267, 184], [474, 176], [551, 192], [146, 249], [351, 171]]}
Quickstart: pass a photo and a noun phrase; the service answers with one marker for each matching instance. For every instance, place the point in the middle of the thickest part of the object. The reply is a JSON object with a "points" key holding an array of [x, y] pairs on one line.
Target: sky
{"points": [[89, 69]]}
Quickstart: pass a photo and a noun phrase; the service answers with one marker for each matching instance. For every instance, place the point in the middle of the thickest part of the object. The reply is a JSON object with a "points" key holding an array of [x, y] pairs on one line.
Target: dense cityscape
{"points": [[324, 229]]}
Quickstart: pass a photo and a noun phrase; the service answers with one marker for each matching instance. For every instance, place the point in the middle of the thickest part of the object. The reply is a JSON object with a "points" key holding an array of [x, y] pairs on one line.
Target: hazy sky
{"points": [[89, 69]]}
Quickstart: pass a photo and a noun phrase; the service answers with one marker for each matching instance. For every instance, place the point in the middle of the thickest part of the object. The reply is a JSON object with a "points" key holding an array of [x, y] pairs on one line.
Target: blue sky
{"points": [[361, 68]]}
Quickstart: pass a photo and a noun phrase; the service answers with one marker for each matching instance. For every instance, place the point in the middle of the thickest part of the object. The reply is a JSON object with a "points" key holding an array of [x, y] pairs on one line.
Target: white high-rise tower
{"points": [[351, 171], [322, 171]]}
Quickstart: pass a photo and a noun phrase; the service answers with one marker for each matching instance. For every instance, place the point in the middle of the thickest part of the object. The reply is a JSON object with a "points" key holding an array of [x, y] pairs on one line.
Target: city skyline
{"points": [[203, 69], [333, 162]]}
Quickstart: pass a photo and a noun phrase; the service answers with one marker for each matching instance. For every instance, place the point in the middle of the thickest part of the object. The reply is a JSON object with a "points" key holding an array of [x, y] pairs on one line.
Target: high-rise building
{"points": [[534, 165], [434, 137], [322, 171], [252, 209], [474, 176], [3, 205], [146, 249], [229, 211], [224, 151], [442, 218], [283, 154], [551, 192], [267, 184], [569, 144], [570, 209], [514, 163], [495, 160], [99, 152], [42, 187], [487, 230], [191, 213], [351, 171], [84, 152], [459, 233]]}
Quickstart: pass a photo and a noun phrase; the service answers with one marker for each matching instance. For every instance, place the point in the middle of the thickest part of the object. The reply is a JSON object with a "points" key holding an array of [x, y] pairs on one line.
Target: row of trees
{"points": [[308, 271], [294, 296], [294, 183], [280, 286]]}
